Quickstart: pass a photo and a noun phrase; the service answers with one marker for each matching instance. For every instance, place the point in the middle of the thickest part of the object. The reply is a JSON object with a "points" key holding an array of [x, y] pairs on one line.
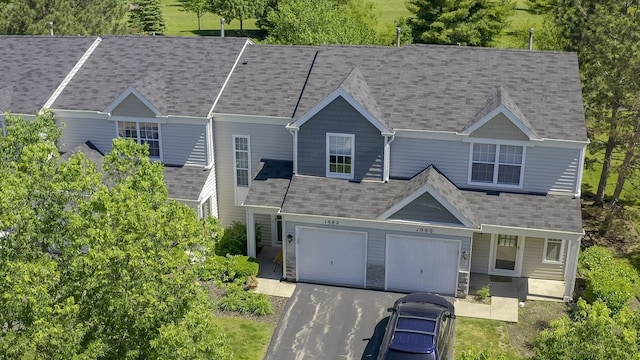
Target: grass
{"points": [[481, 334], [248, 339]]}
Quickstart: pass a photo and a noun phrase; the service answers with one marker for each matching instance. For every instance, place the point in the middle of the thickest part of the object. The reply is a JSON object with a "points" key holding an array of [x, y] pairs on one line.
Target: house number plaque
{"points": [[424, 230]]}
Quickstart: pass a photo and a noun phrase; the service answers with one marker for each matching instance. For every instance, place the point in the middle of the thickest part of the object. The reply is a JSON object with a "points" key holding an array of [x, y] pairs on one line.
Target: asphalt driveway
{"points": [[326, 322]]}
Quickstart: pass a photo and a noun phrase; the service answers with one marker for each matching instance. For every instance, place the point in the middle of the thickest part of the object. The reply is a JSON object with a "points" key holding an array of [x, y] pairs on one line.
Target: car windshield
{"points": [[413, 335]]}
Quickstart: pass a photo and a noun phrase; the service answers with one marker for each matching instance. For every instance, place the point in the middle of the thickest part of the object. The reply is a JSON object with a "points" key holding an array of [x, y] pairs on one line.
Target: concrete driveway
{"points": [[326, 322]]}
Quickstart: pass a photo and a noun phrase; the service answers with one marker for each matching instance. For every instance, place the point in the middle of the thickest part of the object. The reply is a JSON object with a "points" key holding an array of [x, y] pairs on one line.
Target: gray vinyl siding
{"points": [[425, 208], [480, 254], [132, 106], [266, 141], [410, 156], [264, 222], [184, 144], [500, 127], [79, 131], [532, 265], [551, 169], [340, 117], [209, 191]]}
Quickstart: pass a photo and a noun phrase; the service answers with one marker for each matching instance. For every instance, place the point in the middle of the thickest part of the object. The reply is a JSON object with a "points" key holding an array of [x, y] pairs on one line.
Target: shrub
{"points": [[226, 269], [474, 354], [241, 267], [484, 293], [234, 239], [606, 279], [237, 299]]}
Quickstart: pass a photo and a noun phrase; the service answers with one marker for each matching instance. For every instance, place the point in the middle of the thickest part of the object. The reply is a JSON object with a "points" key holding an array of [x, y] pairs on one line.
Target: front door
{"points": [[506, 255]]}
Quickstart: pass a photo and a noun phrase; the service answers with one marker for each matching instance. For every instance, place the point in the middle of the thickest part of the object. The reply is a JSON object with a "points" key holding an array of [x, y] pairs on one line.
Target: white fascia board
{"points": [[454, 136], [71, 74], [416, 194], [542, 233], [405, 226], [128, 91], [226, 80], [506, 112], [251, 119], [261, 209], [355, 104]]}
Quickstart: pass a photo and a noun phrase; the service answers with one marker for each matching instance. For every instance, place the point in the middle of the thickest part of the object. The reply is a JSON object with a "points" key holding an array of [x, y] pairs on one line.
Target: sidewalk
{"points": [[503, 307], [275, 287]]}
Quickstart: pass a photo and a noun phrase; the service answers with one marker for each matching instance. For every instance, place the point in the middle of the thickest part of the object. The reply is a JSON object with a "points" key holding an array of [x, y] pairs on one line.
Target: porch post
{"points": [[251, 234], [572, 268]]}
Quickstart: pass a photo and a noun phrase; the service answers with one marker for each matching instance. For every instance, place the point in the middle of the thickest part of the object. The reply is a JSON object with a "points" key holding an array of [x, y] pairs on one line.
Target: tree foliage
{"points": [[317, 22], [198, 7], [94, 271], [591, 332], [146, 17], [238, 9], [69, 17], [464, 22]]}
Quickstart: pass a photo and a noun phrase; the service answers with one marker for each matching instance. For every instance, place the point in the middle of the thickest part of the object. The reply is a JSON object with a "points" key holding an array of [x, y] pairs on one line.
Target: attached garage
{"points": [[331, 256], [421, 264]]}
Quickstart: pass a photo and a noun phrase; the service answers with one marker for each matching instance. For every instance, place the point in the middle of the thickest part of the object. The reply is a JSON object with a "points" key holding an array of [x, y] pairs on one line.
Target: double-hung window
{"points": [[241, 157], [553, 251], [340, 154], [497, 164], [143, 133]]}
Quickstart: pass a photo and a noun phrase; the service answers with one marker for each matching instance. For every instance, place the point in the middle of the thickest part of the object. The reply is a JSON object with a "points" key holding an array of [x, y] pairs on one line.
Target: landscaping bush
{"points": [[236, 299], [606, 279], [234, 240], [474, 354], [226, 269]]}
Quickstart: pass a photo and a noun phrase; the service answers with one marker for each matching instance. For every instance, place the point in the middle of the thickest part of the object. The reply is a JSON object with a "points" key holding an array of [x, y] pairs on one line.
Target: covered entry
{"points": [[421, 264], [331, 256]]}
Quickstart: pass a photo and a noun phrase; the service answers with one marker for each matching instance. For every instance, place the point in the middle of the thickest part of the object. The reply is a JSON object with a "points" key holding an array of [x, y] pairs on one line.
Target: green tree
{"points": [[466, 22], [238, 9], [69, 17], [146, 17], [591, 332], [94, 271], [317, 22], [198, 7]]}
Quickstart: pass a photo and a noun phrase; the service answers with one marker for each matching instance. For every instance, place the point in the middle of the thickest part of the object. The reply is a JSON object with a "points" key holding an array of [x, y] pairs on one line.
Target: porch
{"points": [[519, 288]]}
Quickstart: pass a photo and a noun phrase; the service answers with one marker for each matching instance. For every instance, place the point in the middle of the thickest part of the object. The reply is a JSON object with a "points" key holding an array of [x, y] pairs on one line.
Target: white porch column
{"points": [[572, 268], [251, 234]]}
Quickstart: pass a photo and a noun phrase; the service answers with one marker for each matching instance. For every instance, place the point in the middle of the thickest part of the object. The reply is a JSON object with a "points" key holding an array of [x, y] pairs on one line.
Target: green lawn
{"points": [[248, 339], [181, 23], [481, 334]]}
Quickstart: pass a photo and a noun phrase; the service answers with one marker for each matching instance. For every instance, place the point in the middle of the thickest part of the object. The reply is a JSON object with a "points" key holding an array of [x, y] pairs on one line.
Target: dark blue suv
{"points": [[421, 327]]}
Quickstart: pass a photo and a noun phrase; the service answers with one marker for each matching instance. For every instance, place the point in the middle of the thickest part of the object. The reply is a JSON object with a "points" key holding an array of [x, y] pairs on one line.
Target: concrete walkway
{"points": [[275, 287], [501, 308]]}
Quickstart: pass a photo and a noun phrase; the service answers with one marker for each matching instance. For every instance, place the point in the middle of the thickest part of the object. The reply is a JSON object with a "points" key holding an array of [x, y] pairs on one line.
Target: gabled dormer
{"points": [[344, 135], [499, 134], [430, 197], [139, 118]]}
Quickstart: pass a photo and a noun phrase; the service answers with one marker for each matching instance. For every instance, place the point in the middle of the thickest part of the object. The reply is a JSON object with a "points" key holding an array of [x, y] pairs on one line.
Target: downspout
{"points": [[574, 250], [387, 156], [577, 190]]}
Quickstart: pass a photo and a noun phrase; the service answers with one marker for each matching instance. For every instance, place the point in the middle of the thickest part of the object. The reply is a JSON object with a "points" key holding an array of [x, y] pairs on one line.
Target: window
{"points": [[553, 251], [496, 164], [241, 159], [507, 240], [340, 149], [142, 133]]}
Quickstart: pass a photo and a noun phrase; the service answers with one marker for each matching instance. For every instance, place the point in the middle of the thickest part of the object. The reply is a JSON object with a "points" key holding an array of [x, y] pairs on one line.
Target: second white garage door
{"points": [[422, 264], [331, 256]]}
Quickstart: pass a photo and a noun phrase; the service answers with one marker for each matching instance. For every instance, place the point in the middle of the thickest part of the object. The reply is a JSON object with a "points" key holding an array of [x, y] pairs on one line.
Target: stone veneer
{"points": [[290, 271], [463, 284], [375, 277]]}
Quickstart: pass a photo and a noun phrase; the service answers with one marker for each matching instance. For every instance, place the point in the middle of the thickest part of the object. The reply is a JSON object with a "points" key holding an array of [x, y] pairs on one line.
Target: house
{"points": [[399, 169]]}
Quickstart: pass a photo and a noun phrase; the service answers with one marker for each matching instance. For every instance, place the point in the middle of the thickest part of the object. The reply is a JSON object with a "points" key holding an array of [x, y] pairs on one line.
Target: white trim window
{"points": [[496, 164], [553, 252], [143, 133], [241, 161], [340, 155]]}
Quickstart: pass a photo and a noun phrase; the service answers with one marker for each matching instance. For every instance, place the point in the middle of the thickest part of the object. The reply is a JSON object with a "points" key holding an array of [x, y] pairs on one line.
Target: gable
{"points": [[425, 209], [500, 127], [132, 106]]}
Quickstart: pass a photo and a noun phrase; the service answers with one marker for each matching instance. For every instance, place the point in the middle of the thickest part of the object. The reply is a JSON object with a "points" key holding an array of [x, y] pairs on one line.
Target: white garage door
{"points": [[331, 256], [422, 264]]}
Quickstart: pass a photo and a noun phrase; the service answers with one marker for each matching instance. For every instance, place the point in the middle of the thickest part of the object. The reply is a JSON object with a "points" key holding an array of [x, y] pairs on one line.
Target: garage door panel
{"points": [[331, 256], [422, 264]]}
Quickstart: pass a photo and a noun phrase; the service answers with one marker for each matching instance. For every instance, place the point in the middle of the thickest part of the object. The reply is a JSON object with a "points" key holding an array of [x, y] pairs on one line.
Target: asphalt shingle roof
{"points": [[33, 67], [498, 98], [180, 76], [423, 87], [269, 187]]}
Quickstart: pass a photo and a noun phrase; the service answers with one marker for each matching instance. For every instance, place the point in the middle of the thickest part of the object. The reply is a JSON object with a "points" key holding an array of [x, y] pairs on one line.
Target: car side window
{"points": [[442, 336]]}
